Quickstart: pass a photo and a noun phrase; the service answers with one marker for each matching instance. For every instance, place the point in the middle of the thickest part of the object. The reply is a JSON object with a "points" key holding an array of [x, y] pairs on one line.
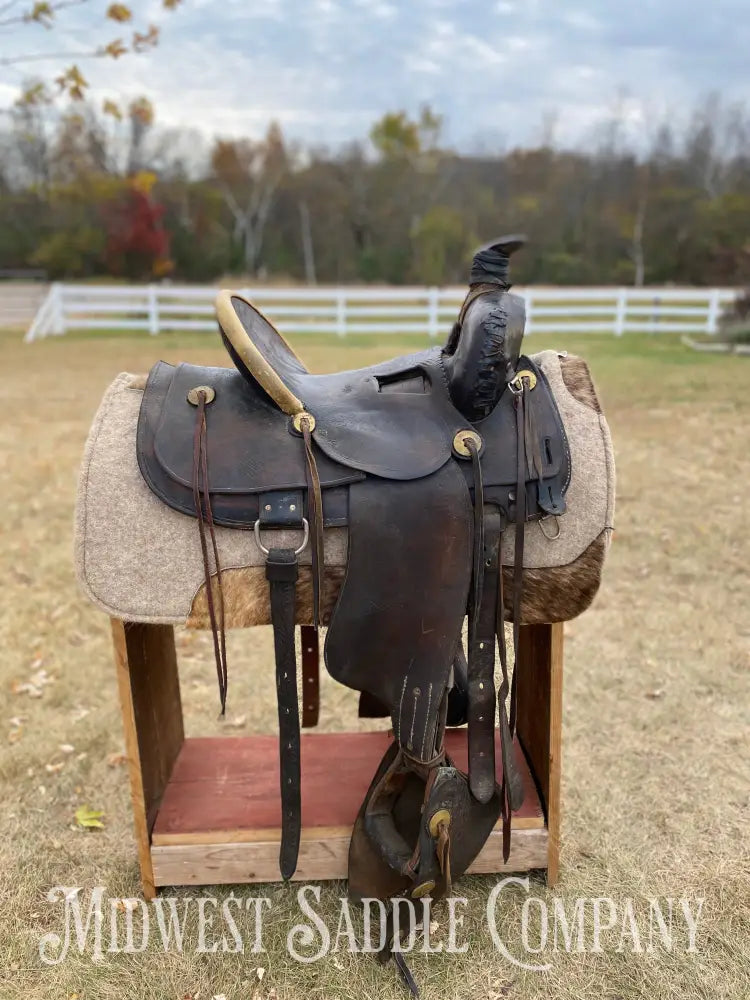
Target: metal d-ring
{"points": [[555, 517], [264, 550]]}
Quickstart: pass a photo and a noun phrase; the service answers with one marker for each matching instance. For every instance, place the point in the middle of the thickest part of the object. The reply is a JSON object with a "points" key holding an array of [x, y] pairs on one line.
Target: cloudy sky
{"points": [[496, 70]]}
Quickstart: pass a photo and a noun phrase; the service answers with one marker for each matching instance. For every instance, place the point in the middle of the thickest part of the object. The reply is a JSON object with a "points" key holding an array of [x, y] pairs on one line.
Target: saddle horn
{"points": [[484, 346]]}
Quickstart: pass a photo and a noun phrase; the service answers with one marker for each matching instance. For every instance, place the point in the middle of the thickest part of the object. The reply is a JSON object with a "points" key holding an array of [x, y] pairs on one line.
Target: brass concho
{"points": [[441, 816], [460, 448], [516, 384], [299, 417], [422, 889], [194, 393]]}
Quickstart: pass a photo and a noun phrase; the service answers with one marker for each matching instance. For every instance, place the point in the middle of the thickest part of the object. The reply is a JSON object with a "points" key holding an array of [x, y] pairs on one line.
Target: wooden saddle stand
{"points": [[426, 461]]}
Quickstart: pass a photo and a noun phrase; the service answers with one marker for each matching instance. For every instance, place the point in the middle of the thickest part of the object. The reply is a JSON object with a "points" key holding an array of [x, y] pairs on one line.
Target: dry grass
{"points": [[656, 700]]}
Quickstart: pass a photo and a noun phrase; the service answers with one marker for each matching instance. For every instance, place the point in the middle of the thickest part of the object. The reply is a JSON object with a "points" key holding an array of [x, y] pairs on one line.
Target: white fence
{"points": [[377, 310], [20, 301]]}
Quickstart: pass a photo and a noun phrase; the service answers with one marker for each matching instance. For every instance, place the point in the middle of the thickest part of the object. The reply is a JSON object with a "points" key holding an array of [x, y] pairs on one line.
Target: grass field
{"points": [[656, 772]]}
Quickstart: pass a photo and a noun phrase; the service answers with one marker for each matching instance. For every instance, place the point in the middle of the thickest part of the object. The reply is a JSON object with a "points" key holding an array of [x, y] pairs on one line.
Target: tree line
{"points": [[88, 192]]}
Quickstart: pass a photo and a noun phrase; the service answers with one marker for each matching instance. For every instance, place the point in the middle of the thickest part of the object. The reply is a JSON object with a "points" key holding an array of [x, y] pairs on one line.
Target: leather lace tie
{"points": [[512, 785], [204, 514]]}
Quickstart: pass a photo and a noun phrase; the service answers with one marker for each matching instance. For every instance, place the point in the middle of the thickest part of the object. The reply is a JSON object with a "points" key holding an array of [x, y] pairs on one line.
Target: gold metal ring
{"points": [[193, 395], [459, 446], [516, 383], [299, 417], [441, 816]]}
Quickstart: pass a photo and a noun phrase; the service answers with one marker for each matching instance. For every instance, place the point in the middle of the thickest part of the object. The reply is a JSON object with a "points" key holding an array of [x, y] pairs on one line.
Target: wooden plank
{"points": [[539, 725], [187, 864], [554, 798], [149, 690], [227, 788]]}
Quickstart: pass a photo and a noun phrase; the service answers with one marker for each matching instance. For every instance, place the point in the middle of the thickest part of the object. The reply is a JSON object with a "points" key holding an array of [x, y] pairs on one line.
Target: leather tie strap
{"points": [[204, 515], [512, 786], [478, 559], [521, 402], [282, 570]]}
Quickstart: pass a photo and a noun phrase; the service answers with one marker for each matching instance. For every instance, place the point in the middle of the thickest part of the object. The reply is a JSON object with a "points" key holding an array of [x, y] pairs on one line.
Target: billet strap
{"points": [[203, 512], [481, 663], [310, 675], [282, 570]]}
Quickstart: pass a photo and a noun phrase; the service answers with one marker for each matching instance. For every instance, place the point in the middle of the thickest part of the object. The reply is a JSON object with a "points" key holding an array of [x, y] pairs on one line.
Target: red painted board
{"points": [[232, 782]]}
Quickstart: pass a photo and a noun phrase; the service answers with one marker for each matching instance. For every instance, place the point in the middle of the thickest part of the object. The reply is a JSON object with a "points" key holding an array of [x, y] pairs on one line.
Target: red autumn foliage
{"points": [[137, 243]]}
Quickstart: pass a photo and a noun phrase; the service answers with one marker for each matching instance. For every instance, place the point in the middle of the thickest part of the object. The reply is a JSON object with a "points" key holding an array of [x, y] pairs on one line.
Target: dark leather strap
{"points": [[315, 519], [204, 514], [308, 635], [512, 786], [282, 570], [481, 669]]}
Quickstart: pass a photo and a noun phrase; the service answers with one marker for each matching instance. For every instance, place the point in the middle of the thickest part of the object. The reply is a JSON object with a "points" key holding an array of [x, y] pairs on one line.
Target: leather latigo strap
{"points": [[482, 631], [282, 570], [310, 675]]}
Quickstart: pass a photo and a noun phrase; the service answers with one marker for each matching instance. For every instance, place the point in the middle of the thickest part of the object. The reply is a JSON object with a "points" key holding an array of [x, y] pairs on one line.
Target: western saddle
{"points": [[426, 459]]}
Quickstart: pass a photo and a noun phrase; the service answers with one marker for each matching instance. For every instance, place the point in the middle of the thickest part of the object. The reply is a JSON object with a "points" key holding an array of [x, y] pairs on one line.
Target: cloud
{"points": [[326, 68]]}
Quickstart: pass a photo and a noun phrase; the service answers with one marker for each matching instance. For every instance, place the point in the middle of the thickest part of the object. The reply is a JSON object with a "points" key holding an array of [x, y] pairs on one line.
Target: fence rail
{"points": [[376, 310]]}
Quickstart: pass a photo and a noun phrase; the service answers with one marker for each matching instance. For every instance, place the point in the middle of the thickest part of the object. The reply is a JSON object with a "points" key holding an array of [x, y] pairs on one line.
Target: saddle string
{"points": [[506, 737], [511, 788], [204, 514], [315, 518], [521, 402]]}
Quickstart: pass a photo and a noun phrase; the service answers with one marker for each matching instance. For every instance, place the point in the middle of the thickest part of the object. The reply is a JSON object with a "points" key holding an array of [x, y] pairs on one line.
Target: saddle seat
{"points": [[394, 420]]}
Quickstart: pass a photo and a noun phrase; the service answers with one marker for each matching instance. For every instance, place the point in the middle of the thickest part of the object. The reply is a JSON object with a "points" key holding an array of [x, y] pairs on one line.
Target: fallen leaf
{"points": [[89, 818], [17, 721], [79, 713], [66, 748], [237, 723], [54, 768], [117, 758], [260, 972], [81, 756], [656, 693]]}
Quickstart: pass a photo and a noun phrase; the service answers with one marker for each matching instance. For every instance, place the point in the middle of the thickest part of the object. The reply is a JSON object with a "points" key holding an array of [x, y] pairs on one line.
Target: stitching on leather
{"points": [[413, 721], [427, 719], [401, 705]]}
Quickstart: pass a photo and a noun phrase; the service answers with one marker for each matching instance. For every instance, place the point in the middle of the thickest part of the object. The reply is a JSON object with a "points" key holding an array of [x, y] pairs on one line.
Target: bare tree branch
{"points": [[29, 18]]}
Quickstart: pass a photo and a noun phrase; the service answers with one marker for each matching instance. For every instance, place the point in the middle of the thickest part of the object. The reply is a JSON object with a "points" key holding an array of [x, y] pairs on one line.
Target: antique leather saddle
{"points": [[426, 460]]}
